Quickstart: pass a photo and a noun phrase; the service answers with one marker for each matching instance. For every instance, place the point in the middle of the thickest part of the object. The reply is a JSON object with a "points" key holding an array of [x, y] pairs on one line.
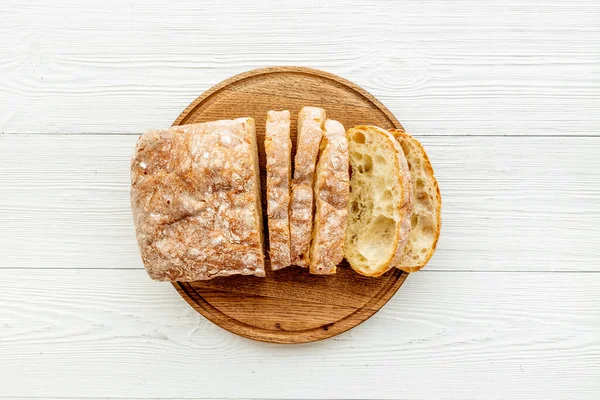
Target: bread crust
{"points": [[332, 187], [414, 146], [278, 147], [310, 133], [402, 226], [195, 199]]}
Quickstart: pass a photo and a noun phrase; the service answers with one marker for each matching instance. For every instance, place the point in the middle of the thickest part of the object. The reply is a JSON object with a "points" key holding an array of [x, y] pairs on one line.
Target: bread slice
{"points": [[380, 202], [195, 197], [331, 201], [278, 148], [311, 122], [426, 220]]}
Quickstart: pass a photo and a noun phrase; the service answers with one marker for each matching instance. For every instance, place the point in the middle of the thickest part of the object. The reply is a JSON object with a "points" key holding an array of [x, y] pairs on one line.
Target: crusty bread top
{"points": [[310, 133], [380, 203], [426, 218], [278, 148], [331, 201], [195, 199]]}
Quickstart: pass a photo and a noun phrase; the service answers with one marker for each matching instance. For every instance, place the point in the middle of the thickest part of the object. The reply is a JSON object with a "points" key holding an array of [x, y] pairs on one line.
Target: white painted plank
{"points": [[443, 336], [509, 204], [470, 67]]}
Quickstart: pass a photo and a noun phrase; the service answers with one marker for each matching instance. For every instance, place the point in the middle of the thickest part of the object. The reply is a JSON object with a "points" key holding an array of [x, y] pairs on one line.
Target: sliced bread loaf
{"points": [[380, 201], [311, 122], [331, 201], [278, 148], [426, 220]]}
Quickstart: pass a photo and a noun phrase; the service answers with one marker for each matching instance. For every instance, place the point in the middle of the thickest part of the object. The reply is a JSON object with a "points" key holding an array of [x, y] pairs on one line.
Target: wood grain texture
{"points": [[470, 67], [444, 335], [290, 306], [510, 204]]}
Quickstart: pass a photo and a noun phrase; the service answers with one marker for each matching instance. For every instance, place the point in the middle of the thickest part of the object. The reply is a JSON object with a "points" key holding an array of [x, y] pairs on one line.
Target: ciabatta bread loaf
{"points": [[195, 197], [331, 201], [311, 122], [380, 203], [426, 220], [278, 148]]}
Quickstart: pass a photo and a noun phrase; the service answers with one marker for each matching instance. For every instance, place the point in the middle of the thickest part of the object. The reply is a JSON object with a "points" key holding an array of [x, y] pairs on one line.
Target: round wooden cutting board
{"points": [[289, 305]]}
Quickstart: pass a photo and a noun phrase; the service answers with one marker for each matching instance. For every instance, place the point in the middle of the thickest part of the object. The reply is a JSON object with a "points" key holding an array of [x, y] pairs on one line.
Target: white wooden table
{"points": [[505, 96]]}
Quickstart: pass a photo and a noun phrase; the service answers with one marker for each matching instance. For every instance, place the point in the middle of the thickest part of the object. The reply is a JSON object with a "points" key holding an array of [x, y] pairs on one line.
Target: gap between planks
{"points": [[425, 270], [575, 135]]}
